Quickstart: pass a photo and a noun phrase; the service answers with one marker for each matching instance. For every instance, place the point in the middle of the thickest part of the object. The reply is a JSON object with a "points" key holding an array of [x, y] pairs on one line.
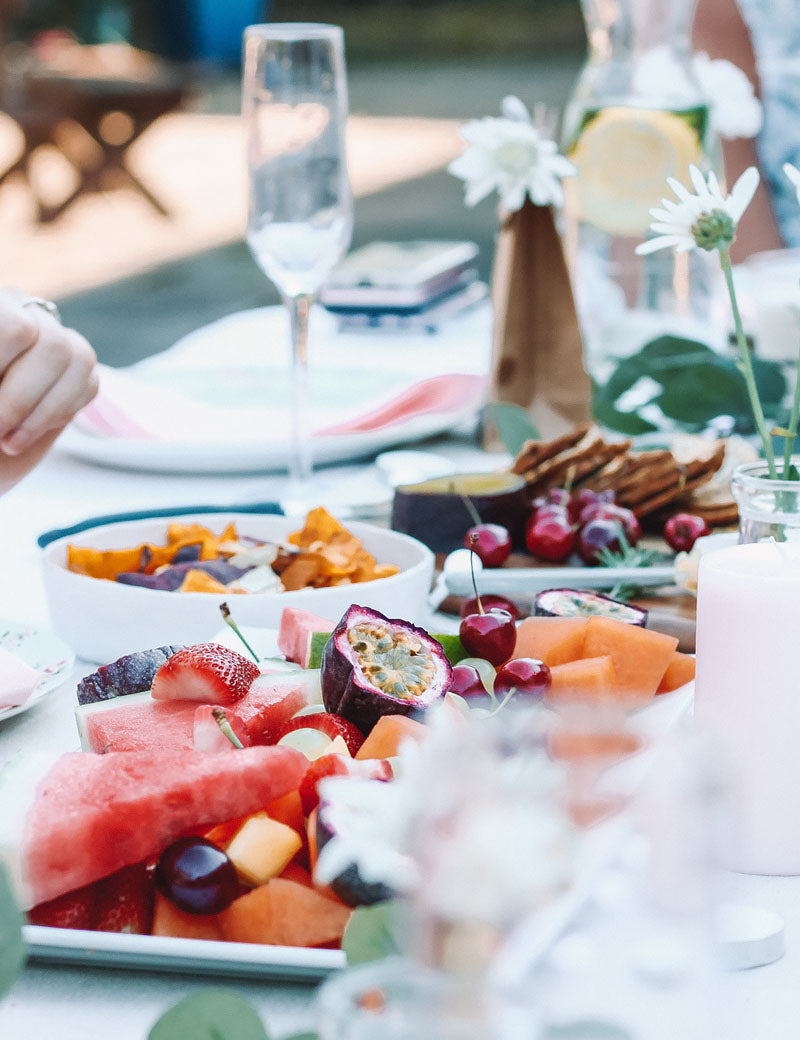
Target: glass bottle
{"points": [[636, 117]]}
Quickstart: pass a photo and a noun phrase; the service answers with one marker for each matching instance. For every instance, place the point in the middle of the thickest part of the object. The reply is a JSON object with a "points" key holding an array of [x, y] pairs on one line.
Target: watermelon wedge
{"points": [[137, 721], [68, 823]]}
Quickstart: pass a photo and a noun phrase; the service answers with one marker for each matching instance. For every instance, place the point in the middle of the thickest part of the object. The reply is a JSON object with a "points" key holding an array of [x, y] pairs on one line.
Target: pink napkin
{"points": [[17, 680], [128, 407]]}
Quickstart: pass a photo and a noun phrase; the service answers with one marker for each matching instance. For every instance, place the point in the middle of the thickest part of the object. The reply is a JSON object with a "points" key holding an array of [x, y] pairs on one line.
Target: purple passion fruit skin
{"points": [[373, 665], [583, 603], [130, 674]]}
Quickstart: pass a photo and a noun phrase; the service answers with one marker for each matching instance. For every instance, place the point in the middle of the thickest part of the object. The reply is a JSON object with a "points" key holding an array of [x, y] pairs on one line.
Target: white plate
{"points": [[239, 367], [162, 953], [43, 651]]}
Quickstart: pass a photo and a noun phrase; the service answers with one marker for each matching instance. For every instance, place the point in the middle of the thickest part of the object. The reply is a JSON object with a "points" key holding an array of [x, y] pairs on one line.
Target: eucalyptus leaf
{"points": [[210, 1014], [12, 948], [514, 425], [373, 932], [630, 423], [694, 396], [664, 354]]}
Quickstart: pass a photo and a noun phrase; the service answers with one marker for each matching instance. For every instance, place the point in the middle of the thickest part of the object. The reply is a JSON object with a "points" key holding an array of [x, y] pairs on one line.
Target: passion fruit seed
{"points": [[396, 662]]}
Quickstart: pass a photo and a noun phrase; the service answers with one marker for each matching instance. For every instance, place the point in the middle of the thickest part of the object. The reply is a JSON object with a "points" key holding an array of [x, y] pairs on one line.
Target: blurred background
{"points": [[122, 187]]}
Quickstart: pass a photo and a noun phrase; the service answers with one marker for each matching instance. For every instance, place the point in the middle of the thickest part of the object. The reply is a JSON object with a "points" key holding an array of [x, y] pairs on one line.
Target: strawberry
{"points": [[72, 910], [125, 901], [338, 765], [208, 672], [329, 723]]}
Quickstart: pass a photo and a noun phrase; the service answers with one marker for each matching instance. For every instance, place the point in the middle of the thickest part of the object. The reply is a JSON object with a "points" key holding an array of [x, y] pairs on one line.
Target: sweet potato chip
{"points": [[198, 581]]}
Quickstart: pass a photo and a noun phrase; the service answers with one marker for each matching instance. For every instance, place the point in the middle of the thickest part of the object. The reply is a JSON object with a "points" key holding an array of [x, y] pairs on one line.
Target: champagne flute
{"points": [[300, 213]]}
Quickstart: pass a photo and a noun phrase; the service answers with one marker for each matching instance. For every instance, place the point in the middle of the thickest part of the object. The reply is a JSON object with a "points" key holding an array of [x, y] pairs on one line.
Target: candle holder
{"points": [[768, 508]]}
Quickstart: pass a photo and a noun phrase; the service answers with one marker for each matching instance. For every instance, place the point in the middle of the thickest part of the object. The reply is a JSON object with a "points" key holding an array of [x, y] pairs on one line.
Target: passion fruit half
{"points": [[373, 665]]}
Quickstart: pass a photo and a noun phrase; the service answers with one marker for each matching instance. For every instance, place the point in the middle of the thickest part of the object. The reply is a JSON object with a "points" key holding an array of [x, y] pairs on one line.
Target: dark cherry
{"points": [[553, 511], [466, 681], [525, 675], [610, 511], [598, 534], [550, 538], [558, 496], [682, 531], [196, 876], [491, 635], [491, 543], [489, 601]]}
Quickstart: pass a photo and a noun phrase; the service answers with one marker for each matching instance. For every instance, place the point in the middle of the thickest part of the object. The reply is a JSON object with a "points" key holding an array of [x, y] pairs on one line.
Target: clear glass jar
{"points": [[767, 508], [636, 117]]}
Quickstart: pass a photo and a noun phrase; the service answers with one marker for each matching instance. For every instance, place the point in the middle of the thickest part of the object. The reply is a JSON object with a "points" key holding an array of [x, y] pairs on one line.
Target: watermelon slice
{"points": [[137, 721], [296, 631], [68, 823]]}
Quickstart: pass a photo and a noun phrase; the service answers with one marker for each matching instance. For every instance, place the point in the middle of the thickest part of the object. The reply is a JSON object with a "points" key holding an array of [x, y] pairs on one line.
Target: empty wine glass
{"points": [[300, 214]]}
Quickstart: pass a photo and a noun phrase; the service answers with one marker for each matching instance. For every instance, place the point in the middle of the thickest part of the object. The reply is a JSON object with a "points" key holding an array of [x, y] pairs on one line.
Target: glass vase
{"points": [[636, 117], [768, 508]]}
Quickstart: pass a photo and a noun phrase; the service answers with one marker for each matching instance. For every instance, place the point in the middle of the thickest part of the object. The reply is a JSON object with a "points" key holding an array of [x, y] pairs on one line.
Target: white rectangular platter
{"points": [[196, 956]]}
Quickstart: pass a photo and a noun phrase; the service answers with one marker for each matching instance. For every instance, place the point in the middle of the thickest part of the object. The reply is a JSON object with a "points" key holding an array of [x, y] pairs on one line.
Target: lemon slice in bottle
{"points": [[623, 157]]}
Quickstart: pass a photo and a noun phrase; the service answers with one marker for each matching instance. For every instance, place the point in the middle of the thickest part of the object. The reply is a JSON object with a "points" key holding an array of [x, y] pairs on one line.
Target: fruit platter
{"points": [[187, 830]]}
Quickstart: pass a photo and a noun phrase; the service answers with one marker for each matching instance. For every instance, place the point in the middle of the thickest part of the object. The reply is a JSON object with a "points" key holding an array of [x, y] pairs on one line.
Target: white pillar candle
{"points": [[748, 696]]}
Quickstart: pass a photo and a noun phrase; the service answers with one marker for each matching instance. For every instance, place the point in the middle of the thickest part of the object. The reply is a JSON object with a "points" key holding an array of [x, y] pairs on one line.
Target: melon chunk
{"points": [[680, 671], [86, 816], [262, 848], [285, 913], [640, 655], [552, 640], [592, 679], [169, 920], [387, 735]]}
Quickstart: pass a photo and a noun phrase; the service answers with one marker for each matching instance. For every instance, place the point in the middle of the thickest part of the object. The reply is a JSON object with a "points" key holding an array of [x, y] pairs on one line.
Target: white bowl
{"points": [[103, 620]]}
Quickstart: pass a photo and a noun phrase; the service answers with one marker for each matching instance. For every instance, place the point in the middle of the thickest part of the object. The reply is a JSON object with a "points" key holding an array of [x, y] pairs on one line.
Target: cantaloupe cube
{"points": [[169, 920], [387, 734], [592, 679], [640, 655], [288, 810], [680, 671], [262, 848], [285, 913], [552, 640], [311, 838]]}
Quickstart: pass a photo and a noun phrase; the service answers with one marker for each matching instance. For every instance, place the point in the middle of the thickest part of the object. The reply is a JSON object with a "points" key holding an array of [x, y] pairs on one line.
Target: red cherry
{"points": [[682, 531], [523, 674], [491, 635], [598, 534], [550, 538], [558, 497], [466, 681], [489, 601], [491, 543], [552, 511]]}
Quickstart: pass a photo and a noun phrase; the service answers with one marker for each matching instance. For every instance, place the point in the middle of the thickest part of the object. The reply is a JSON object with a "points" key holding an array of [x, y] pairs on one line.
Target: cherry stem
{"points": [[475, 516], [221, 720], [224, 609], [502, 703], [472, 554]]}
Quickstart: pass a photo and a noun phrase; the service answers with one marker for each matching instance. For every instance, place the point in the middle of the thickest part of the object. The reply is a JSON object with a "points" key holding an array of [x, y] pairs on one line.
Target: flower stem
{"points": [[794, 418], [747, 364]]}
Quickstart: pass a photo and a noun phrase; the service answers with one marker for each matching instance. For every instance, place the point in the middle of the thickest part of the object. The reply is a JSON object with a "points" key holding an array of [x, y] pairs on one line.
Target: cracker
{"points": [[534, 452]]}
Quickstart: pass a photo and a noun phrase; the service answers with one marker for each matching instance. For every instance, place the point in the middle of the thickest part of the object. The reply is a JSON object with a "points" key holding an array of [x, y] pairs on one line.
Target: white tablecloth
{"points": [[79, 1003]]}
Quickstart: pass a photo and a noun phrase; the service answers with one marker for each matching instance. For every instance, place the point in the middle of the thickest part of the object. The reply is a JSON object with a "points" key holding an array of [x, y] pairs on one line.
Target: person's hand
{"points": [[47, 374]]}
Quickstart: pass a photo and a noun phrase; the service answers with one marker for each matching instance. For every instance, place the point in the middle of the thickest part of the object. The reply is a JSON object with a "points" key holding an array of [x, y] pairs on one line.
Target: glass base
{"points": [[351, 497]]}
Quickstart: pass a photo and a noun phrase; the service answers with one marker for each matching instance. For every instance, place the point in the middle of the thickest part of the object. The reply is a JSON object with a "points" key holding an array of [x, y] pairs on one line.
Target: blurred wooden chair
{"points": [[91, 104]]}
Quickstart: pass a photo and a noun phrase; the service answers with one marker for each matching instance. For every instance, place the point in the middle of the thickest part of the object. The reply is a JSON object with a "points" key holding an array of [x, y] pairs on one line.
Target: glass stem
{"points": [[300, 454], [747, 364]]}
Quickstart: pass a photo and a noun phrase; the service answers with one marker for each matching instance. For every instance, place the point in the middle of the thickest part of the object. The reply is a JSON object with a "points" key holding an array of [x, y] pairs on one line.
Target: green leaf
{"points": [[696, 395], [373, 932], [770, 382], [303, 1036], [210, 1014], [12, 948], [514, 425], [664, 354], [607, 415]]}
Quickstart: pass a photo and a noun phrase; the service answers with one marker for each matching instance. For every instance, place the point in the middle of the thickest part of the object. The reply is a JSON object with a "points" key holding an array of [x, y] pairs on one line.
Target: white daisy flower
{"points": [[735, 109], [705, 220], [513, 157], [794, 176]]}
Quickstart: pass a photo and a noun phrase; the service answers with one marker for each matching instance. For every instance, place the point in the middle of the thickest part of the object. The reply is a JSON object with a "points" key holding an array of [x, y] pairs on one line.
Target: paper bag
{"points": [[537, 352]]}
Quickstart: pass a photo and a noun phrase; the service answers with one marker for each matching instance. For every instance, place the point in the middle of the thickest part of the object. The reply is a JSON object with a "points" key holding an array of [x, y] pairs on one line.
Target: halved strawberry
{"points": [[72, 910], [124, 901], [339, 765], [328, 723], [208, 672]]}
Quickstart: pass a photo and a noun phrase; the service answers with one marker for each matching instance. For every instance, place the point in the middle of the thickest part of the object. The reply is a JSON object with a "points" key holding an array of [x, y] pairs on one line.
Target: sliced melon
{"points": [[640, 655], [553, 640]]}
